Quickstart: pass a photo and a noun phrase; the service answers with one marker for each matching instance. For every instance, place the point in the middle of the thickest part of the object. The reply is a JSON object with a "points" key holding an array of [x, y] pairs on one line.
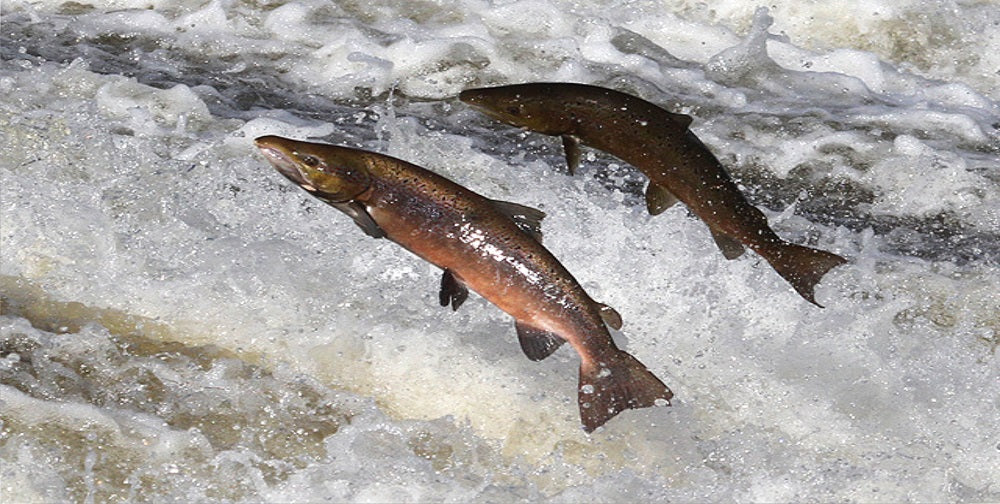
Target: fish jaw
{"points": [[281, 158], [470, 96], [331, 173], [483, 105], [498, 103], [527, 106]]}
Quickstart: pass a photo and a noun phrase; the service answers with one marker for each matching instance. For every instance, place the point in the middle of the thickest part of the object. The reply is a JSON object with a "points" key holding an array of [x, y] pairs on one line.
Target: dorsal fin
{"points": [[527, 218], [610, 316], [682, 120]]}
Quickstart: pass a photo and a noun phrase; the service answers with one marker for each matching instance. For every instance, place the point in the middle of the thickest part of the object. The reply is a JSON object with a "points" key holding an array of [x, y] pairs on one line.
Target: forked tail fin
{"points": [[620, 382], [803, 267]]}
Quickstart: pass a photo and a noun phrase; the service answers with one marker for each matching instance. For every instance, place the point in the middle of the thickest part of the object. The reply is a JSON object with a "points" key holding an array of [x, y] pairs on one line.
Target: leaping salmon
{"points": [[659, 143], [492, 247]]}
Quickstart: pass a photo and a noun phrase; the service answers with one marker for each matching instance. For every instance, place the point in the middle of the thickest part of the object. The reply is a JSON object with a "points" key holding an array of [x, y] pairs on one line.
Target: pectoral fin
{"points": [[729, 246], [610, 316], [571, 145], [453, 291], [527, 218], [658, 199], [537, 344], [361, 217]]}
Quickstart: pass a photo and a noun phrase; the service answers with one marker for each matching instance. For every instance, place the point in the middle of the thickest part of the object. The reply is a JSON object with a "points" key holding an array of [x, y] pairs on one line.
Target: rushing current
{"points": [[181, 324]]}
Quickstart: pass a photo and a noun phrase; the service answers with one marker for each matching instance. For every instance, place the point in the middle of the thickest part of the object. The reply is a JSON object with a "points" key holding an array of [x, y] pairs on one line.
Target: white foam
{"points": [[124, 196], [177, 106]]}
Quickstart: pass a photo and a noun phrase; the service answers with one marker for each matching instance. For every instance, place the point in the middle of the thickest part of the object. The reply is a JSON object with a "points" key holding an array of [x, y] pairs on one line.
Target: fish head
{"points": [[523, 105], [331, 173]]}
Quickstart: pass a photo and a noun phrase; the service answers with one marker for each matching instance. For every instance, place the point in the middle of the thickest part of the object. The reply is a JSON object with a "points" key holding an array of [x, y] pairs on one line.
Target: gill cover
{"points": [[334, 178], [331, 173], [531, 106]]}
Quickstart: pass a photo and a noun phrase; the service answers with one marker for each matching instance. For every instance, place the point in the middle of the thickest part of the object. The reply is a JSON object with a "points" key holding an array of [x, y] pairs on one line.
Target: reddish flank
{"points": [[489, 246]]}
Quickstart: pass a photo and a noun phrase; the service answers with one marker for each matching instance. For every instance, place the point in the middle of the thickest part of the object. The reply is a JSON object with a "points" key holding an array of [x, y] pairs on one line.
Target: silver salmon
{"points": [[492, 247], [677, 163]]}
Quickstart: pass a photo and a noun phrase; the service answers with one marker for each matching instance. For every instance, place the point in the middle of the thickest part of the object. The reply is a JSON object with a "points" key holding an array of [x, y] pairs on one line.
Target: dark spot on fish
{"points": [[310, 160]]}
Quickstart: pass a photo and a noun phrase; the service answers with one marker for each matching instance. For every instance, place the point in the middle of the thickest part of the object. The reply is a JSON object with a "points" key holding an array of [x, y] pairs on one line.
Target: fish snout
{"points": [[476, 99], [470, 96], [280, 157]]}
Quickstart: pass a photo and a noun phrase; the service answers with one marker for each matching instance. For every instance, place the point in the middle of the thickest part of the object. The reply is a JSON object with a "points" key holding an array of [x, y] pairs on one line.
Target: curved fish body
{"points": [[659, 143], [492, 247]]}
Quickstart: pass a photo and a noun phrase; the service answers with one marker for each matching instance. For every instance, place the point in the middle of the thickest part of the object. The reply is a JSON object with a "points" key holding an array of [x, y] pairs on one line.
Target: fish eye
{"points": [[515, 110], [310, 160]]}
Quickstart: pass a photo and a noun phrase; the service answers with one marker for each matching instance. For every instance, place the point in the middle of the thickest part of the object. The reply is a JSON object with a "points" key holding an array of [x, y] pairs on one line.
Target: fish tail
{"points": [[803, 267], [611, 385]]}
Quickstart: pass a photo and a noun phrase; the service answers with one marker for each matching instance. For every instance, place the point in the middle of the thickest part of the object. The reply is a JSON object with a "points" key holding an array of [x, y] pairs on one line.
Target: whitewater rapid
{"points": [[180, 324]]}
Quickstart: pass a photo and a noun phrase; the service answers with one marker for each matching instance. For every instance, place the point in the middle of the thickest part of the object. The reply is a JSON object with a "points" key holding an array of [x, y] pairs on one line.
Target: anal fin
{"points": [[659, 199], [571, 146], [730, 247], [453, 291], [536, 343]]}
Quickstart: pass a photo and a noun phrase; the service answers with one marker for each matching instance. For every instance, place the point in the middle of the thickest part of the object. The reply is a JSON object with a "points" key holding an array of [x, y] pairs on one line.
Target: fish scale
{"points": [[658, 142], [492, 247]]}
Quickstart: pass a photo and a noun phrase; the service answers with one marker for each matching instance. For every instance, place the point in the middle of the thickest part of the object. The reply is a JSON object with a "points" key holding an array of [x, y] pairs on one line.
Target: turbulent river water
{"points": [[181, 324]]}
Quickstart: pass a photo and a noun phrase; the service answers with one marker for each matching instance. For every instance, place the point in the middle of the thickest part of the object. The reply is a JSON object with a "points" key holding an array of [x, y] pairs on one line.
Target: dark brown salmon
{"points": [[658, 142], [492, 247]]}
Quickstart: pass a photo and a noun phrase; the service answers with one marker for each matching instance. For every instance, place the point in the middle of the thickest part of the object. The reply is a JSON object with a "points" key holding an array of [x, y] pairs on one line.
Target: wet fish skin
{"points": [[490, 246], [658, 142]]}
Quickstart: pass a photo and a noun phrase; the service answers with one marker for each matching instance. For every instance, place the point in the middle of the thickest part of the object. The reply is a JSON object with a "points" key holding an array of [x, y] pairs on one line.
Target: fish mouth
{"points": [[280, 158], [482, 103], [469, 96], [479, 101], [478, 104]]}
